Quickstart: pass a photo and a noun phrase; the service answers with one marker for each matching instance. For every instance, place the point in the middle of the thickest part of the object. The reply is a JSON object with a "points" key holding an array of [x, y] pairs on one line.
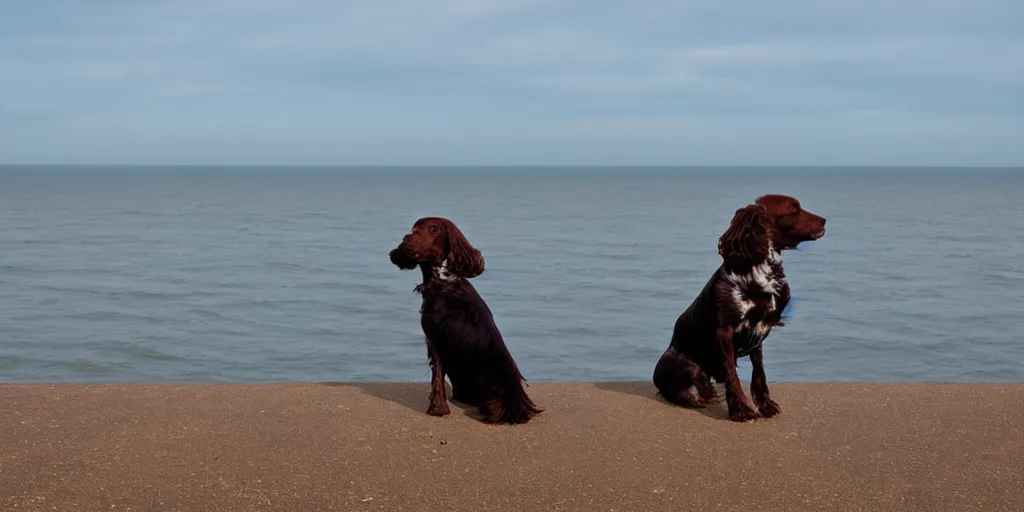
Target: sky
{"points": [[503, 82]]}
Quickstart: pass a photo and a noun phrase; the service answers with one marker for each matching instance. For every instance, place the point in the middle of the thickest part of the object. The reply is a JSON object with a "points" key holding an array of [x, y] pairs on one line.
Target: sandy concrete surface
{"points": [[598, 446]]}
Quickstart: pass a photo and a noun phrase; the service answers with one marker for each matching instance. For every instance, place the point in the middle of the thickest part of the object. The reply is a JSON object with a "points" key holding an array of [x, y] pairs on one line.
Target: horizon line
{"points": [[526, 166]]}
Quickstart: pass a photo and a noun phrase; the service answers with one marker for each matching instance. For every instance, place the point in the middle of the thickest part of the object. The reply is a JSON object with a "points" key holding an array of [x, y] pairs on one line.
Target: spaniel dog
{"points": [[736, 310], [462, 340]]}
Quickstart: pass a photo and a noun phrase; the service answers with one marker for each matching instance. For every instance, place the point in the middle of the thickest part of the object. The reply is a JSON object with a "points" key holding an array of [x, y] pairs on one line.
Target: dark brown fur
{"points": [[736, 310], [463, 343]]}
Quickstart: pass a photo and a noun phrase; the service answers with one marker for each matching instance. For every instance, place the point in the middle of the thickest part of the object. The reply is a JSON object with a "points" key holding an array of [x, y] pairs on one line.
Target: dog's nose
{"points": [[823, 222]]}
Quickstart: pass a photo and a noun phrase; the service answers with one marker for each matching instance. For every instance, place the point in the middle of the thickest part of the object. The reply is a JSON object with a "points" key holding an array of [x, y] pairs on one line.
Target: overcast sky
{"points": [[512, 82]]}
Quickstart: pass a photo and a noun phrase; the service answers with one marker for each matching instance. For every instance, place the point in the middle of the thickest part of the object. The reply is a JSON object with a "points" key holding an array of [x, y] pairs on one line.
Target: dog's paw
{"points": [[768, 408], [743, 412], [439, 409]]}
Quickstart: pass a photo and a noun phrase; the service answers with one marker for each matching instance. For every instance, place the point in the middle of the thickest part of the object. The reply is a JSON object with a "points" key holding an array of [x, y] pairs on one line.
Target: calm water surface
{"points": [[244, 275]]}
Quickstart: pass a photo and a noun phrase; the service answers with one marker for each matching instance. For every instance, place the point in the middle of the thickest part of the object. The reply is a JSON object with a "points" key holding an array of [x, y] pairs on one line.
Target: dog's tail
{"points": [[514, 408]]}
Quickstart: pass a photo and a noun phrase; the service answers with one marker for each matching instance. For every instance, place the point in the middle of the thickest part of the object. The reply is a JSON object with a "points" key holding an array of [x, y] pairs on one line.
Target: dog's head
{"points": [[434, 240], [792, 224]]}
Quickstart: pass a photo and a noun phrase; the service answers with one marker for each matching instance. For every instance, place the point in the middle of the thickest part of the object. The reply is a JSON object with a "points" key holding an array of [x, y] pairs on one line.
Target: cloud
{"points": [[347, 81]]}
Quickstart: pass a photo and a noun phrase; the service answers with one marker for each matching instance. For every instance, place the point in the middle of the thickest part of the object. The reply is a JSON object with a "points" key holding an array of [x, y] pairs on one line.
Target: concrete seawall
{"points": [[598, 446]]}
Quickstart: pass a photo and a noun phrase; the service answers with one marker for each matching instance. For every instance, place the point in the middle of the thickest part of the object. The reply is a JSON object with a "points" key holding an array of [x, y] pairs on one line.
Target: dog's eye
{"points": [[794, 207], [433, 230]]}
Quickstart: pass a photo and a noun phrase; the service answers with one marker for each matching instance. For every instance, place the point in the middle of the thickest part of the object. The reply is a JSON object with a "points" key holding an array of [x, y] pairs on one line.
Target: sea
{"points": [[281, 274]]}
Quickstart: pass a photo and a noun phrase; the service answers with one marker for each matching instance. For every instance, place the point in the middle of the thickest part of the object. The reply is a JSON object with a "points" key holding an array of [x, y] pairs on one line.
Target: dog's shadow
{"points": [[411, 395], [715, 410]]}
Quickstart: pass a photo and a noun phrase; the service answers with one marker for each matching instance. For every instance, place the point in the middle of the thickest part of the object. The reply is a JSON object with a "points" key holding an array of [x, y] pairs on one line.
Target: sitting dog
{"points": [[736, 310], [462, 340]]}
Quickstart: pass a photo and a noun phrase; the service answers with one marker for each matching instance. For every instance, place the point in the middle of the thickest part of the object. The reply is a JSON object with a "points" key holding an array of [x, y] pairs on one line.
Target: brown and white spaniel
{"points": [[462, 340], [736, 310]]}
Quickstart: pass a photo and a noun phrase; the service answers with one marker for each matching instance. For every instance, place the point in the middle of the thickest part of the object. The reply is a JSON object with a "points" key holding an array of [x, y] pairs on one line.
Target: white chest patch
{"points": [[442, 274], [760, 278], [747, 290]]}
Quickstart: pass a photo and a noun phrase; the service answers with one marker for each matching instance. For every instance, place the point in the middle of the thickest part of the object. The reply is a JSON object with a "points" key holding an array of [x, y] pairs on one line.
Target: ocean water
{"points": [[277, 274]]}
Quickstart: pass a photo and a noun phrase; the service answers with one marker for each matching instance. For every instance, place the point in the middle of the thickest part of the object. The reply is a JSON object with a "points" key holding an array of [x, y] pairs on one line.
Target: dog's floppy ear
{"points": [[748, 237], [464, 260]]}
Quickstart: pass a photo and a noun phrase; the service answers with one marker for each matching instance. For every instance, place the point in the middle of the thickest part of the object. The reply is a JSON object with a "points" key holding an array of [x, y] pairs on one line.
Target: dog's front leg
{"points": [[759, 386], [438, 401], [740, 408]]}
